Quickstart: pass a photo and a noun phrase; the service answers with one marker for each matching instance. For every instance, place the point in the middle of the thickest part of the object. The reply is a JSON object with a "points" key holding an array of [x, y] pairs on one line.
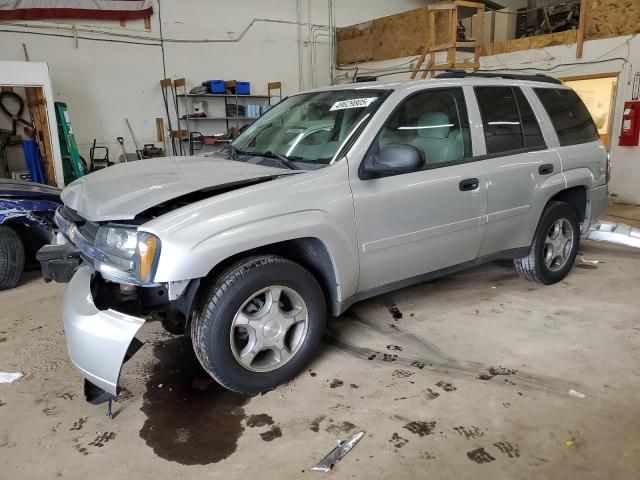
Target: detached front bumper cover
{"points": [[98, 341]]}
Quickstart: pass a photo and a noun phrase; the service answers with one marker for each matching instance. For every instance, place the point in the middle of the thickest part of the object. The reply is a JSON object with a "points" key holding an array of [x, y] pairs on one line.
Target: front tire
{"points": [[260, 324], [554, 245], [11, 258]]}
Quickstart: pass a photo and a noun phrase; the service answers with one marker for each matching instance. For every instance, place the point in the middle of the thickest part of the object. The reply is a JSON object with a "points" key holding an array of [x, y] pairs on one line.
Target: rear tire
{"points": [[11, 258], [260, 324], [554, 245]]}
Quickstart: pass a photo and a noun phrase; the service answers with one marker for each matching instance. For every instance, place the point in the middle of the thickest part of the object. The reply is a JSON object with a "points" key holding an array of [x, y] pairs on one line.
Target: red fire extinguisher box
{"points": [[630, 130]]}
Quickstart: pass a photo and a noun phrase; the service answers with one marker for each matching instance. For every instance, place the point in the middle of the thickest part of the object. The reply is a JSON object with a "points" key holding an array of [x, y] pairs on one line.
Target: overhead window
{"points": [[569, 116]]}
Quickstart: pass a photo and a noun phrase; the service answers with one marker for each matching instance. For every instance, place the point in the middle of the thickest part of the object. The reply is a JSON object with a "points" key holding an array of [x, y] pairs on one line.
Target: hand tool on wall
{"points": [[124, 150], [135, 139], [164, 85]]}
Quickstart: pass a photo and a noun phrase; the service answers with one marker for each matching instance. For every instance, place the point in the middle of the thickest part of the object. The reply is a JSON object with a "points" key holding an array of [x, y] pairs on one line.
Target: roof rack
{"points": [[459, 73]]}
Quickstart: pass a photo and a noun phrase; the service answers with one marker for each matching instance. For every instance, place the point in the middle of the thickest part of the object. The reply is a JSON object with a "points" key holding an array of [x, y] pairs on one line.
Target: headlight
{"points": [[118, 241], [130, 250]]}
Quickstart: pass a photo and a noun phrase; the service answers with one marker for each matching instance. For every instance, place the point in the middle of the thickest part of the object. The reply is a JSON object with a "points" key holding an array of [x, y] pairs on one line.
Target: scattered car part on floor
{"points": [[615, 233], [10, 377], [26, 223], [335, 455]]}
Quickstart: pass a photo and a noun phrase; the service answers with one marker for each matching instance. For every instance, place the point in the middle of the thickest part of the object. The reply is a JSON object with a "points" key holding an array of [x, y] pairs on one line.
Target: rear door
{"points": [[517, 164]]}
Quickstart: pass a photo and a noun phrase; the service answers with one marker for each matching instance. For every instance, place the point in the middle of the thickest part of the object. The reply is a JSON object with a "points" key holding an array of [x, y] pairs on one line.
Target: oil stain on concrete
{"points": [[190, 419]]}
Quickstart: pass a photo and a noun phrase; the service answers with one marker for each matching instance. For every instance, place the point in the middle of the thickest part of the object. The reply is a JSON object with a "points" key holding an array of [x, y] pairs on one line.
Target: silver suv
{"points": [[333, 196]]}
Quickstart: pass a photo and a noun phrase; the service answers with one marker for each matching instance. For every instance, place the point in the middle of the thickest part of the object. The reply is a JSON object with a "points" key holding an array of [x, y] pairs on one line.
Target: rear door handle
{"points": [[545, 169], [469, 184]]}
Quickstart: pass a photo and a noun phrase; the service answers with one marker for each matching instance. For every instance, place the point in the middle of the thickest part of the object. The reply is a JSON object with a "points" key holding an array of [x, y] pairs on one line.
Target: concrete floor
{"points": [[466, 377]]}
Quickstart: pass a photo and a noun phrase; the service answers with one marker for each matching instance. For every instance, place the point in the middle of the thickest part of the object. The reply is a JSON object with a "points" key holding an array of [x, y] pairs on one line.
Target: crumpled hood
{"points": [[124, 190]]}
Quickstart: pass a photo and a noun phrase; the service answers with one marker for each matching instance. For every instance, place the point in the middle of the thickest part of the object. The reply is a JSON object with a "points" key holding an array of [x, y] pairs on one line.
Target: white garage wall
{"points": [[104, 82]]}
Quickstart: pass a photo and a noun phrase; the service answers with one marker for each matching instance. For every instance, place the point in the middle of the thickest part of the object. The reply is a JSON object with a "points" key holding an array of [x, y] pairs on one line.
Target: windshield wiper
{"points": [[286, 160]]}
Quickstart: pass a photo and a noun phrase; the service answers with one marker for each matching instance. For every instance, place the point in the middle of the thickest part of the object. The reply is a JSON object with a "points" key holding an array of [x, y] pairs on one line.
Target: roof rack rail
{"points": [[459, 73]]}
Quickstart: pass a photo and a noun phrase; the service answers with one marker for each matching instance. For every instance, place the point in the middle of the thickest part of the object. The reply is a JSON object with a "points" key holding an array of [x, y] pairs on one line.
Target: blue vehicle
{"points": [[26, 223]]}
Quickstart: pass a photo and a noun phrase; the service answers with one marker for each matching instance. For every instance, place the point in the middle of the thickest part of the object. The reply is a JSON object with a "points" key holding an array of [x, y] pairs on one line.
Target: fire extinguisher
{"points": [[630, 125]]}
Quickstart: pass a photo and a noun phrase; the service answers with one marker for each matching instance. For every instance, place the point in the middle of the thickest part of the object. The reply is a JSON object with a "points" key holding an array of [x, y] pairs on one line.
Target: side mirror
{"points": [[394, 159]]}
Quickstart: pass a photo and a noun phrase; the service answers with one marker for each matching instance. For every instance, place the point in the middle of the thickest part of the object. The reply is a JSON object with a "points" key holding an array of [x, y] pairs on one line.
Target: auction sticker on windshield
{"points": [[353, 103]]}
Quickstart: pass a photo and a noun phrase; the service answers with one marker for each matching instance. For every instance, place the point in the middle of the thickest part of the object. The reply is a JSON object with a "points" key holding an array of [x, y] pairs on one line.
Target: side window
{"points": [[500, 119], [435, 121], [530, 128], [569, 116]]}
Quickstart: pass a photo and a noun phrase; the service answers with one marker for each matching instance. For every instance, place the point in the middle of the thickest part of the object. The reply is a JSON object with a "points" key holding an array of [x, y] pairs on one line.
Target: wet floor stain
{"points": [[190, 420], [395, 312], [336, 383], [260, 420], [271, 434], [341, 427], [446, 386], [420, 428], [480, 455], [315, 423], [495, 371]]}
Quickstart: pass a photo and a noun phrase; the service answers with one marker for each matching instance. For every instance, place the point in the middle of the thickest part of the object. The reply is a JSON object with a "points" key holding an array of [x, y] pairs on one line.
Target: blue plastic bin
{"points": [[34, 161], [243, 88], [215, 86]]}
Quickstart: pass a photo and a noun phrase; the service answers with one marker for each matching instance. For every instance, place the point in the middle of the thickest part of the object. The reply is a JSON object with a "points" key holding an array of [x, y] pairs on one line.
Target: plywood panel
{"points": [[394, 36], [612, 18], [407, 33]]}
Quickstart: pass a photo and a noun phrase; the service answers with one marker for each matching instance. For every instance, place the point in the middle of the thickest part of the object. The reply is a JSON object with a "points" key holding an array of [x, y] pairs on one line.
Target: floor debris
{"points": [[574, 393], [7, 377], [334, 456]]}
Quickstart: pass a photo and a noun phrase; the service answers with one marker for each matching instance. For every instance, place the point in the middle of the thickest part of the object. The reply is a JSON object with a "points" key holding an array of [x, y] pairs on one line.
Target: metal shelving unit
{"points": [[228, 98]]}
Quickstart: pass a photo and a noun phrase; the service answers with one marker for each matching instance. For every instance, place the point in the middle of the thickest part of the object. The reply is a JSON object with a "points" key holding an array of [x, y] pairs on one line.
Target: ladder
{"points": [[450, 7], [72, 162]]}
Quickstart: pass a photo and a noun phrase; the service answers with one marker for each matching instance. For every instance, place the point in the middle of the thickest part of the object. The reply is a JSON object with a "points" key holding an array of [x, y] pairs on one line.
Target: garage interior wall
{"points": [[105, 80]]}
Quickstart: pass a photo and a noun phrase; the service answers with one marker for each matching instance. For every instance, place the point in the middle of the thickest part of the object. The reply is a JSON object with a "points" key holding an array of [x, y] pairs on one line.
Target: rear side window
{"points": [[508, 121], [502, 131], [569, 116], [530, 128]]}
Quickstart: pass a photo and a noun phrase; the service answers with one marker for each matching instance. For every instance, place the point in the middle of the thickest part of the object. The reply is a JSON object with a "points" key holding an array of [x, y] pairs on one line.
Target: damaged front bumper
{"points": [[98, 341]]}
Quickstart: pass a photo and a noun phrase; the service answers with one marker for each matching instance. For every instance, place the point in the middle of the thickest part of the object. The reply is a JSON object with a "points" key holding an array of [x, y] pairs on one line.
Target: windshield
{"points": [[309, 128]]}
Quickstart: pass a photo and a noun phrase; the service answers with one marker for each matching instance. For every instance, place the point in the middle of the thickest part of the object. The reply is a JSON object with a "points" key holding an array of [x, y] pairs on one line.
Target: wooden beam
{"points": [[453, 36], [464, 3], [443, 6], [479, 36], [414, 73], [581, 27]]}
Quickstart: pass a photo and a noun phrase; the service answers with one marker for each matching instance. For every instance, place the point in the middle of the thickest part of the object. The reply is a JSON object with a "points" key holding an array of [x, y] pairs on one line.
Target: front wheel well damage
{"points": [[311, 253]]}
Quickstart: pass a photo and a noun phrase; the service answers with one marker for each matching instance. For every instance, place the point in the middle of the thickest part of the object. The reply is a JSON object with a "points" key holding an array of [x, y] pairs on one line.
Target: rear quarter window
{"points": [[569, 116]]}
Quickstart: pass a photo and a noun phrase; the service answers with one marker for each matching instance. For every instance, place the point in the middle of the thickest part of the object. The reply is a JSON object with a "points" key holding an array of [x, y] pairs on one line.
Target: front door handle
{"points": [[545, 169], [469, 184]]}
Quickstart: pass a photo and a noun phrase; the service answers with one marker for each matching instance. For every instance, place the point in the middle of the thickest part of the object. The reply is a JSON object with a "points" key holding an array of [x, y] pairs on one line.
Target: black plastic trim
{"points": [[537, 77]]}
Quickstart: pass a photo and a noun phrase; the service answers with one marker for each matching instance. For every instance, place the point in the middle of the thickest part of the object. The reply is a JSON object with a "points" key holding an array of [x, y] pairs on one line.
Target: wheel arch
{"points": [[310, 252], [574, 196]]}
